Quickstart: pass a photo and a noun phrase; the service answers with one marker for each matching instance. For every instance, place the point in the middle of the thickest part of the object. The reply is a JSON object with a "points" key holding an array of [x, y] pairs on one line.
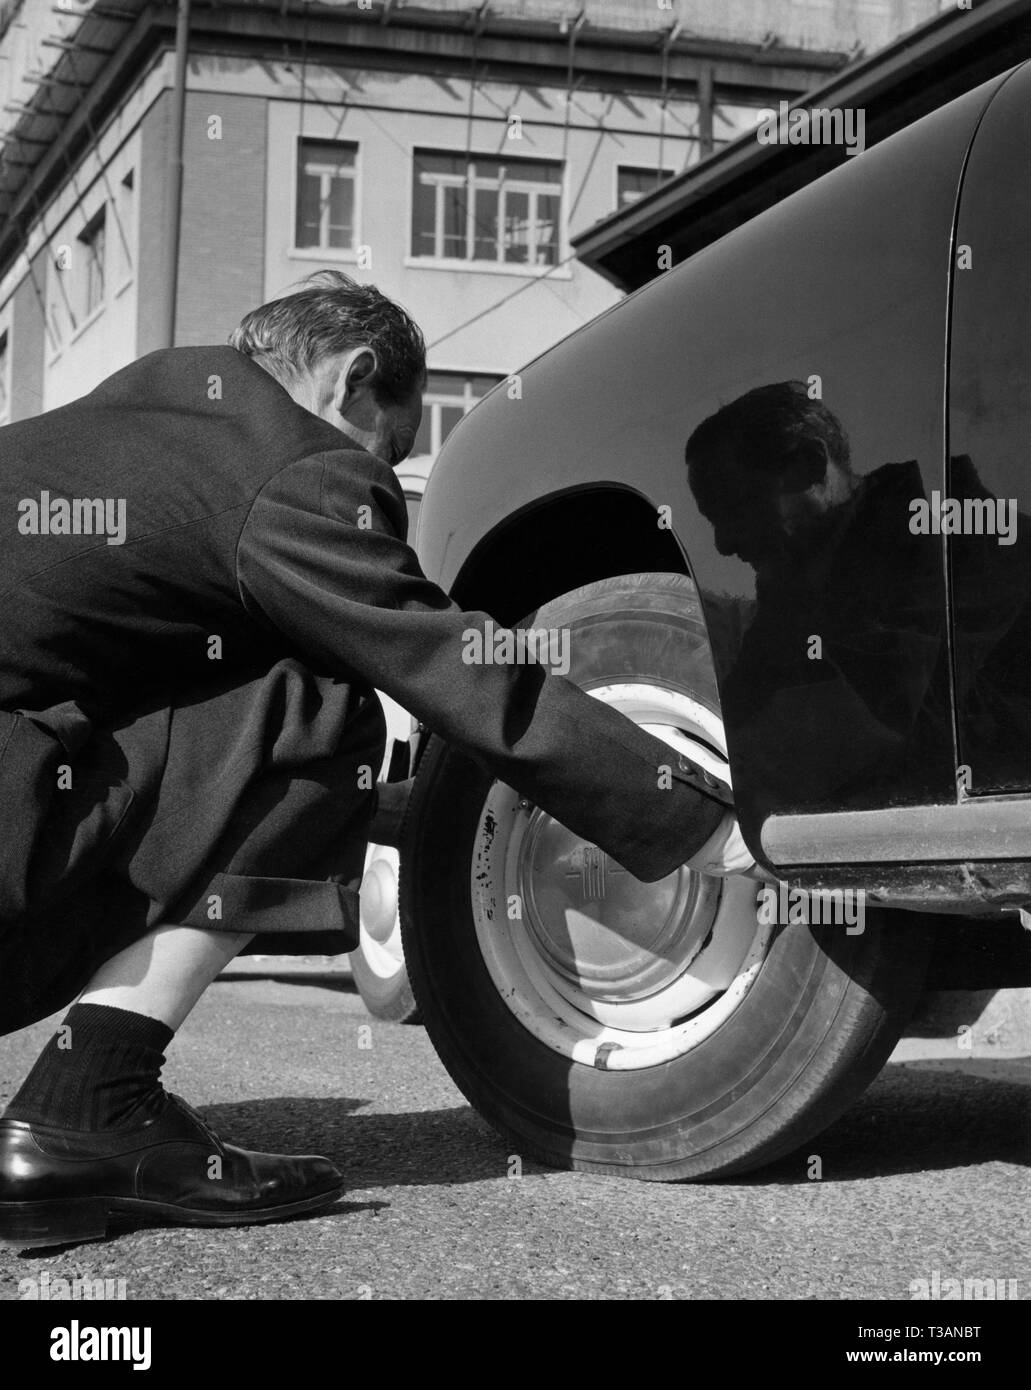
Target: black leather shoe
{"points": [[60, 1186]]}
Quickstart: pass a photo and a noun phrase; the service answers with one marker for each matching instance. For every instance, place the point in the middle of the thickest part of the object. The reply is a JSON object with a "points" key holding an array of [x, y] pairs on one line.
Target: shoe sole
{"points": [[74, 1220]]}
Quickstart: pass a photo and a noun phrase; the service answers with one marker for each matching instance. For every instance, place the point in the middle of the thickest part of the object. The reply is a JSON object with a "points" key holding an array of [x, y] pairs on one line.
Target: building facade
{"points": [[446, 152]]}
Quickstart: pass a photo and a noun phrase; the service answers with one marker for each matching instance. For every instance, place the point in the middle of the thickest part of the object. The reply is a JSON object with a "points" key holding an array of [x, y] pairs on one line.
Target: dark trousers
{"points": [[249, 814]]}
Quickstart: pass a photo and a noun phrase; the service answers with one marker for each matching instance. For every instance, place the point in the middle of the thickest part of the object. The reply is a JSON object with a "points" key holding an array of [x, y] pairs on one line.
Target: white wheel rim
{"points": [[380, 922], [602, 968]]}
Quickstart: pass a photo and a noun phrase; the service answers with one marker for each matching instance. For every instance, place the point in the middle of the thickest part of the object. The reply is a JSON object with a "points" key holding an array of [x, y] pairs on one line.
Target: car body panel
{"points": [[990, 447], [846, 282]]}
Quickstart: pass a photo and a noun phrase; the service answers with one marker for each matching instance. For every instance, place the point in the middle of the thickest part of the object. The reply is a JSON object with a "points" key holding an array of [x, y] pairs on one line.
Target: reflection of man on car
{"points": [[849, 616]]}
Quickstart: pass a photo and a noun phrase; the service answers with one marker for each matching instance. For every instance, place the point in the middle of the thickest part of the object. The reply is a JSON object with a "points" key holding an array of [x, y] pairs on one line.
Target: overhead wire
{"points": [[541, 276], [464, 204]]}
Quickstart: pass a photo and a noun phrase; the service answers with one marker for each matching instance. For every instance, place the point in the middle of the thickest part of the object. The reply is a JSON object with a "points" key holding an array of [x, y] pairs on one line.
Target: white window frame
{"points": [[500, 184], [53, 336], [325, 252], [67, 291], [435, 401], [126, 236], [87, 239]]}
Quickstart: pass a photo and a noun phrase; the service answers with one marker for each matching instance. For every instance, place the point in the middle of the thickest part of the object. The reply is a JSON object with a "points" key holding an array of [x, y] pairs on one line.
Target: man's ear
{"points": [[806, 467], [355, 375]]}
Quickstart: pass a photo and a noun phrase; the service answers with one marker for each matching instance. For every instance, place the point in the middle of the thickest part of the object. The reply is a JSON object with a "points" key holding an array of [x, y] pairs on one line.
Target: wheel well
{"points": [[561, 544]]}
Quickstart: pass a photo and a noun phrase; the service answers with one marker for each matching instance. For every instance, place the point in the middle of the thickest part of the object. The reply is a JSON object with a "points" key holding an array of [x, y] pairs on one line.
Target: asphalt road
{"points": [[927, 1172]]}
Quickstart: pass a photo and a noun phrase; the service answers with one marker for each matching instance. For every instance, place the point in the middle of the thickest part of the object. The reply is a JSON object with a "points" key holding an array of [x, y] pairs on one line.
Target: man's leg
{"points": [[165, 973], [102, 1068], [92, 1133], [239, 793]]}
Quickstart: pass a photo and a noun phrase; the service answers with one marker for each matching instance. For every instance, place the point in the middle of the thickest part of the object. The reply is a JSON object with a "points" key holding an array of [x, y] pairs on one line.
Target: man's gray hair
{"points": [[289, 337]]}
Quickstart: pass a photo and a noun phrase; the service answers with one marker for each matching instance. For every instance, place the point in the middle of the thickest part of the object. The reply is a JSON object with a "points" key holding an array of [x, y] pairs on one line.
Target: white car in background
{"points": [[378, 963]]}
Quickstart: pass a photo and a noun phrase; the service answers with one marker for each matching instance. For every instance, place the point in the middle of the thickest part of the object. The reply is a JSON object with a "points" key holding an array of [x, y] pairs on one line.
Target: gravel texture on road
{"points": [[926, 1172]]}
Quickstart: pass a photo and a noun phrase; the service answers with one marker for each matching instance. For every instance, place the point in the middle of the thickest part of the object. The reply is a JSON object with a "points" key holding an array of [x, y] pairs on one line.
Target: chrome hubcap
{"points": [[380, 923], [601, 967], [600, 929], [379, 900]]}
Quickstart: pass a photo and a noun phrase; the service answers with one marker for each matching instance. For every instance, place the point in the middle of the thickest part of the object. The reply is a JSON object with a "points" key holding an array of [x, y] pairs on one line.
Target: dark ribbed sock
{"points": [[100, 1070]]}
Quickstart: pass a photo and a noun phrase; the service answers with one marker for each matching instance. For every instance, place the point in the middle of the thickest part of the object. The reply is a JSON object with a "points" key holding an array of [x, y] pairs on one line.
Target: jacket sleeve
{"points": [[321, 559]]}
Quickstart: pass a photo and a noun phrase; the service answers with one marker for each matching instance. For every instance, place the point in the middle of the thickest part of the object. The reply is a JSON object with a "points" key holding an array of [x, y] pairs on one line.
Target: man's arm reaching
{"points": [[321, 559]]}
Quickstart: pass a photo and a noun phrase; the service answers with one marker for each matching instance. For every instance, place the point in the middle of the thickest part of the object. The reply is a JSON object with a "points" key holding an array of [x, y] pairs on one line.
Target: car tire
{"points": [[554, 1024], [377, 964]]}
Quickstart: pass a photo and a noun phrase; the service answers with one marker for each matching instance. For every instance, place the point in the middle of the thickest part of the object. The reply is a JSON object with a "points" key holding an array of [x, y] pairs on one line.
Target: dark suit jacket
{"points": [[251, 520]]}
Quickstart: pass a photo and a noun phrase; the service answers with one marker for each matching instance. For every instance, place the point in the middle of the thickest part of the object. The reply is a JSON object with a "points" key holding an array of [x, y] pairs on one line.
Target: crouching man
{"points": [[188, 732]]}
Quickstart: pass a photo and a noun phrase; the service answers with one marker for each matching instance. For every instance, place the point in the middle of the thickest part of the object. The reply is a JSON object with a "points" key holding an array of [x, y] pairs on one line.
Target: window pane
{"points": [[123, 232], [341, 212], [632, 184], [449, 418], [424, 439], [478, 200], [325, 194], [424, 205], [517, 227], [445, 384], [426, 163], [445, 401], [93, 244], [333, 154], [308, 210], [430, 173], [485, 210], [531, 171], [547, 228], [454, 222]]}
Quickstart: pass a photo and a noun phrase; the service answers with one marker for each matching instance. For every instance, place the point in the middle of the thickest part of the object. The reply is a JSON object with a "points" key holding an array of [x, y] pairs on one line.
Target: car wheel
{"points": [[659, 1030], [378, 963]]}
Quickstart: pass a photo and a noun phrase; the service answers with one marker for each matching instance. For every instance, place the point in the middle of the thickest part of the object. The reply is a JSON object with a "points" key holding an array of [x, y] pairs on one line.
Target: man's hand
{"points": [[725, 853]]}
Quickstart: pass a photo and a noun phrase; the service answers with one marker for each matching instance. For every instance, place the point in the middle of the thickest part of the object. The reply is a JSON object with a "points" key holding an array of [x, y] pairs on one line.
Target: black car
{"points": [[778, 501]]}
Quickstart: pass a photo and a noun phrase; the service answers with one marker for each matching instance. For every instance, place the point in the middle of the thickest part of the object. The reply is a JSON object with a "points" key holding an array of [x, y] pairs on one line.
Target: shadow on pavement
{"points": [[330, 979], [121, 1224], [915, 1119], [420, 1148], [911, 1120]]}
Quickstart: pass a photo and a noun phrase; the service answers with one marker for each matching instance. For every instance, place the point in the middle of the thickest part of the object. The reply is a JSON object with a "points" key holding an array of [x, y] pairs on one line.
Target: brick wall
{"points": [[222, 250], [153, 223], [27, 345]]}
